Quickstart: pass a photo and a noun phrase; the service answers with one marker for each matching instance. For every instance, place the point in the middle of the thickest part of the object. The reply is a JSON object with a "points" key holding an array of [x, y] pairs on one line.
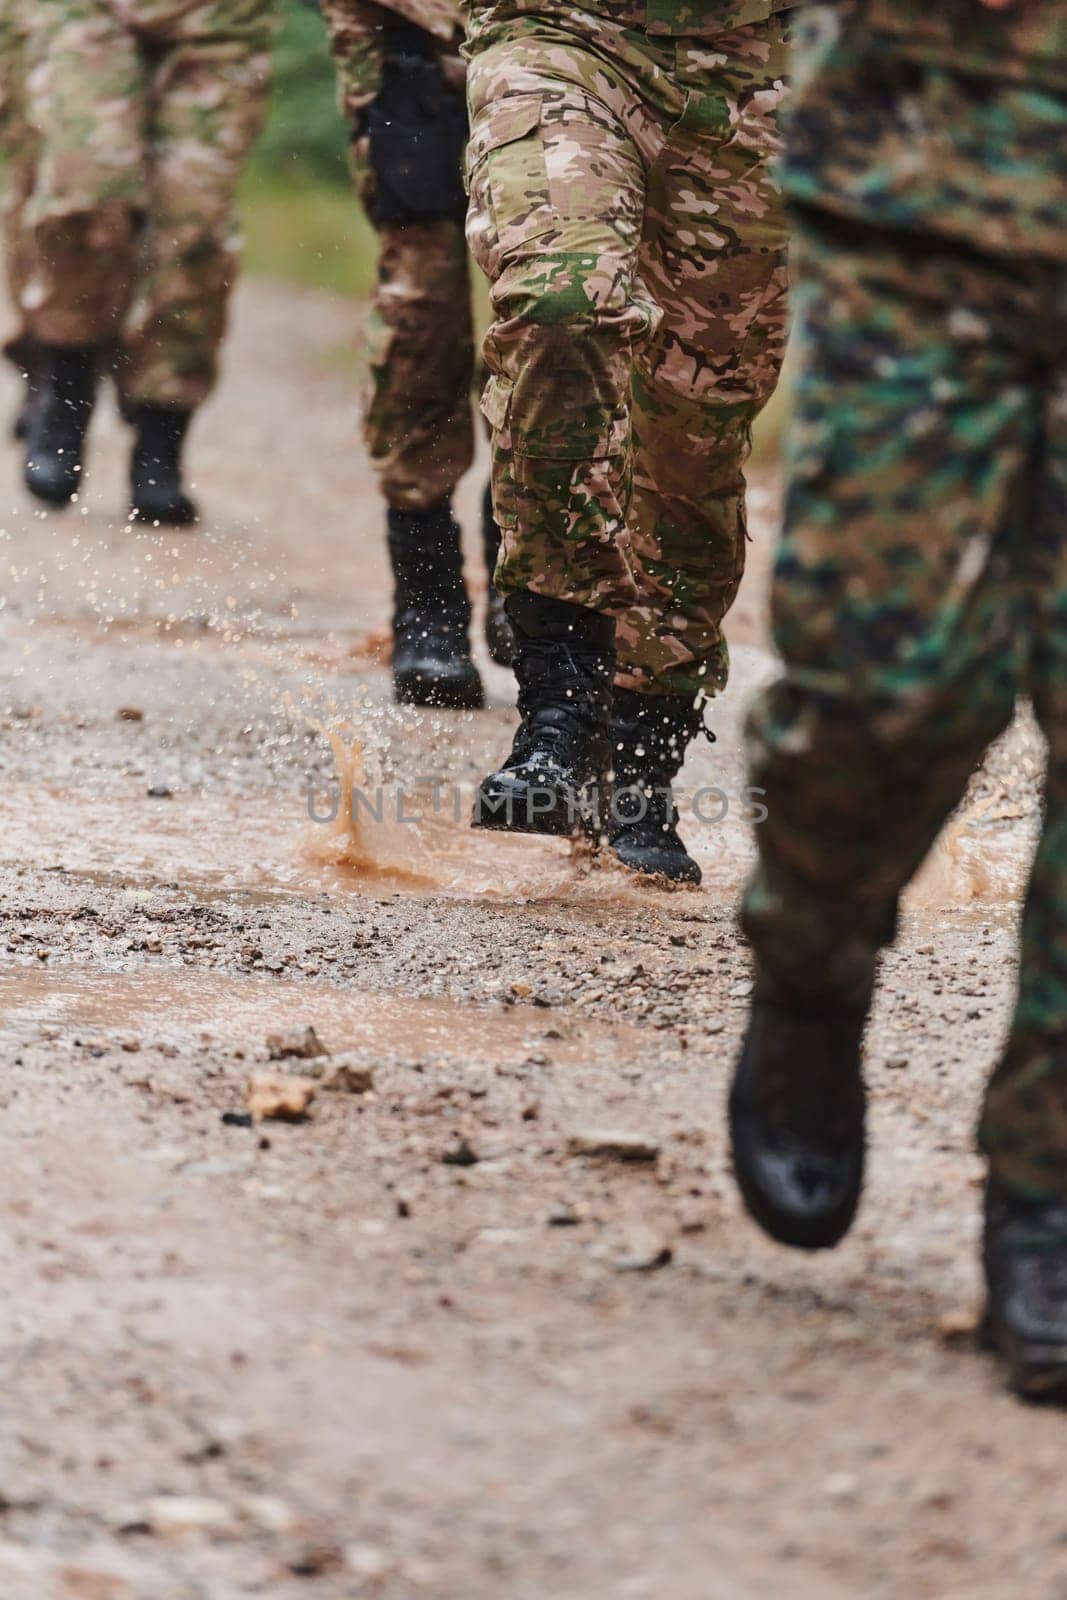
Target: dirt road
{"points": [[417, 1344]]}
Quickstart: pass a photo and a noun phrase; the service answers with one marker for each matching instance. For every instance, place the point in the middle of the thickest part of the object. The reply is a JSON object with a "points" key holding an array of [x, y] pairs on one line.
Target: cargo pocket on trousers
{"points": [[496, 409], [507, 180]]}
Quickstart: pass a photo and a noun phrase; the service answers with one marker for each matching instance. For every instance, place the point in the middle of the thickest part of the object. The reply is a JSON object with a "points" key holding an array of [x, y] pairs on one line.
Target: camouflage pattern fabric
{"points": [[623, 208], [357, 41], [145, 112], [17, 151], [417, 419], [922, 580]]}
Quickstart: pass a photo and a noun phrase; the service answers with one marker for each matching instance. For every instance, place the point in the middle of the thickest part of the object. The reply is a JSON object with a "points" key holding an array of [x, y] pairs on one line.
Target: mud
{"points": [[414, 1345]]}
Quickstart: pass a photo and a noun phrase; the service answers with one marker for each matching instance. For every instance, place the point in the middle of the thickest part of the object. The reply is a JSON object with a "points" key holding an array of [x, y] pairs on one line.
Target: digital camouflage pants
{"points": [[145, 111], [920, 586], [623, 208]]}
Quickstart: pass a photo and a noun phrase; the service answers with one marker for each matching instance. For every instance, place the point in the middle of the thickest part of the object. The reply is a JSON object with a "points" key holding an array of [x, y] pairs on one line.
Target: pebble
{"points": [[460, 1154], [170, 1516], [348, 1077], [282, 1096], [303, 1042], [613, 1144]]}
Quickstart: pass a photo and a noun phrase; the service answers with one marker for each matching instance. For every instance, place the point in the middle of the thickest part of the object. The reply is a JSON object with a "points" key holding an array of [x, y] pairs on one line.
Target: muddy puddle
{"points": [[418, 842], [236, 1012]]}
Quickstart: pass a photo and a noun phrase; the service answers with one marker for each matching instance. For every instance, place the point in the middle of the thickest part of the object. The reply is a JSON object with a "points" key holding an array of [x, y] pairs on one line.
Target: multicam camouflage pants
{"points": [[145, 111], [17, 151], [921, 584], [417, 419], [623, 209]]}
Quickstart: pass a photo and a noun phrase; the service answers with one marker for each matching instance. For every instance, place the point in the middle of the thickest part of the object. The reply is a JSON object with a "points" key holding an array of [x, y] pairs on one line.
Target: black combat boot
{"points": [[432, 663], [649, 735], [25, 355], [555, 779], [797, 1116], [58, 422], [498, 635], [156, 492], [1025, 1253]]}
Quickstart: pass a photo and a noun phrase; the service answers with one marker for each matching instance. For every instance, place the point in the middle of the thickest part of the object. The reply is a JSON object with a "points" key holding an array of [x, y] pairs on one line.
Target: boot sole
{"points": [[510, 813], [686, 874], [165, 518], [51, 496]]}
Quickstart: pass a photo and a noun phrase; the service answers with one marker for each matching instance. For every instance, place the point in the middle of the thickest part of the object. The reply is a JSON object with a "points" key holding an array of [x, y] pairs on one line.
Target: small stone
{"points": [[171, 1515], [367, 1561], [521, 989], [281, 1096], [614, 1145], [564, 1216], [131, 1044], [897, 1063], [154, 944], [644, 1253], [841, 1486], [959, 1326], [348, 1077], [740, 991], [236, 1119], [460, 1154], [130, 714], [267, 1512], [159, 791], [303, 1042]]}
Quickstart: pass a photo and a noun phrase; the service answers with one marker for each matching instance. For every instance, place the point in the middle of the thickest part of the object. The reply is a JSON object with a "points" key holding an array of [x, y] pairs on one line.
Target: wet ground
{"points": [[422, 1342]]}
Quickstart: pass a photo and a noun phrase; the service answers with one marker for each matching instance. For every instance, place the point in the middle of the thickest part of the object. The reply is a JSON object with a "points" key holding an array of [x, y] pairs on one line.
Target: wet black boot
{"points": [[555, 779], [797, 1110], [649, 735], [1025, 1252], [432, 663], [156, 492], [58, 422], [498, 635]]}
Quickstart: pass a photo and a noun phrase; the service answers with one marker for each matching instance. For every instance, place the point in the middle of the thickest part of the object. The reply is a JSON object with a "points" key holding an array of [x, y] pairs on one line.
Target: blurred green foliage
{"points": [[302, 221], [305, 137]]}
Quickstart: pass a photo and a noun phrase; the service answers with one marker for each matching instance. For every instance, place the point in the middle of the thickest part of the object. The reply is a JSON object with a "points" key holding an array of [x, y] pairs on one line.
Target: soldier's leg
{"points": [[557, 186], [713, 256], [208, 101], [714, 259], [897, 610], [418, 421], [896, 597], [85, 100], [1024, 1127]]}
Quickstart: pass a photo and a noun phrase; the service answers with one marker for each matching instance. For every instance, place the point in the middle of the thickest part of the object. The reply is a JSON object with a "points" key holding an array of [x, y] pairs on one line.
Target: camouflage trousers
{"points": [[623, 208], [145, 111], [920, 586], [417, 416], [18, 153]]}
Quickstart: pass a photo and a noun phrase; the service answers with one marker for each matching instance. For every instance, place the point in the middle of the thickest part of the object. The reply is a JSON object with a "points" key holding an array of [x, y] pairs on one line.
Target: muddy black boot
{"points": [[432, 663], [58, 423], [649, 735], [797, 1109], [1025, 1253], [555, 779], [156, 492], [498, 635]]}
